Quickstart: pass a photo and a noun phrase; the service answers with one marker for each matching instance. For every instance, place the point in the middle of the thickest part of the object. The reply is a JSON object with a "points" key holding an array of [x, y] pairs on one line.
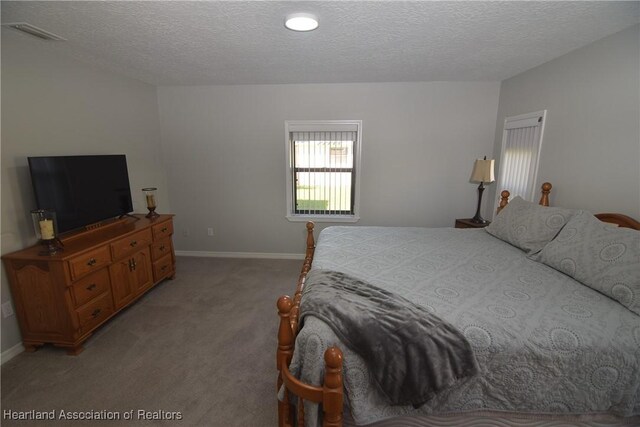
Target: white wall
{"points": [[53, 105], [223, 146], [591, 146], [225, 152]]}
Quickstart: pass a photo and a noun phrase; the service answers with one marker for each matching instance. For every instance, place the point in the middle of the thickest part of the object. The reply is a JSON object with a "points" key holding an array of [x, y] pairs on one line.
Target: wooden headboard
{"points": [[619, 219], [613, 218], [544, 200]]}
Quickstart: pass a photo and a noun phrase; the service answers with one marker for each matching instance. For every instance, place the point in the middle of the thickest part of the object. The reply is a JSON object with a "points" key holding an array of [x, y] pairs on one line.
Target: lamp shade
{"points": [[483, 171]]}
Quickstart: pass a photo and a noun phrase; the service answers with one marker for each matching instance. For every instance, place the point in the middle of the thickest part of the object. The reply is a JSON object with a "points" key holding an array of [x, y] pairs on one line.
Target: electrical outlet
{"points": [[210, 232], [7, 309], [185, 232]]}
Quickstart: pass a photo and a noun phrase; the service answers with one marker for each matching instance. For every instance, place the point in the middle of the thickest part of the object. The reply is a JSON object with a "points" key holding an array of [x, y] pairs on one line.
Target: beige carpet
{"points": [[203, 345]]}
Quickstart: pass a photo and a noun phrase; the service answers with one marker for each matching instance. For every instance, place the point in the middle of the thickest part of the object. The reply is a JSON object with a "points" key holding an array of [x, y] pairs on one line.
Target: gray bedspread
{"points": [[411, 353], [544, 342]]}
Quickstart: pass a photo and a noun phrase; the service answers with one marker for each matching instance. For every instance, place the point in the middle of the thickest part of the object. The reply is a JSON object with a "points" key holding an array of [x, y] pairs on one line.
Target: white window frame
{"points": [[515, 122], [327, 126]]}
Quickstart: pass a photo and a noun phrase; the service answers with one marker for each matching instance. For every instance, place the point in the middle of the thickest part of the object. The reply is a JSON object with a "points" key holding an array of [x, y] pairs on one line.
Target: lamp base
{"points": [[477, 218], [152, 213], [479, 221], [51, 247]]}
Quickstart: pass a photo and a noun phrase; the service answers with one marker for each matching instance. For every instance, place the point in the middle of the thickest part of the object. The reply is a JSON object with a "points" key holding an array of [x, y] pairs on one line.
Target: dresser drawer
{"points": [[95, 312], [89, 287], [162, 230], [161, 248], [162, 268], [130, 244], [89, 262]]}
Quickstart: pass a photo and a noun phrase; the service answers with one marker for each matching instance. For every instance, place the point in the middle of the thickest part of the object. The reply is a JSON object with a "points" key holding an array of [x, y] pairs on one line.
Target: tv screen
{"points": [[81, 189]]}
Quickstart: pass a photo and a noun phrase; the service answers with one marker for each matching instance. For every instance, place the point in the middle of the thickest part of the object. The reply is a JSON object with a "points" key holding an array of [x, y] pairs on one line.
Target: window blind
{"points": [[521, 143], [323, 172]]}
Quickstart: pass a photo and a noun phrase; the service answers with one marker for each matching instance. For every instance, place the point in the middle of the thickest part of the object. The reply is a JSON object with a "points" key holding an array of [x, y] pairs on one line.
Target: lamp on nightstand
{"points": [[482, 172]]}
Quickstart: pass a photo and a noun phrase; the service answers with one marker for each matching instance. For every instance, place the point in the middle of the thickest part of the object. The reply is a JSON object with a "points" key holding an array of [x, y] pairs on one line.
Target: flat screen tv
{"points": [[81, 189]]}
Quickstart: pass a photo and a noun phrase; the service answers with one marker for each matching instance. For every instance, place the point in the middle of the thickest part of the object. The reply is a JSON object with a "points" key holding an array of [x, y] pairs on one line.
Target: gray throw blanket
{"points": [[412, 354]]}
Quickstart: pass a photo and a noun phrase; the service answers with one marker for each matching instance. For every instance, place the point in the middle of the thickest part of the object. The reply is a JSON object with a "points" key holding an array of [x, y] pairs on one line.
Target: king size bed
{"points": [[545, 301]]}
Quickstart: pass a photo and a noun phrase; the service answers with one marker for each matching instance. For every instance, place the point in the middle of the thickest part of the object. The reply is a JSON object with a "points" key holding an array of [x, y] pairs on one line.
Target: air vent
{"points": [[34, 31]]}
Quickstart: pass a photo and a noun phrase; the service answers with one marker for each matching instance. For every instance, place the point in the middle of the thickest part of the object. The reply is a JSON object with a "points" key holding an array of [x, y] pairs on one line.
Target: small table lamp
{"points": [[482, 172], [46, 228], [150, 197]]}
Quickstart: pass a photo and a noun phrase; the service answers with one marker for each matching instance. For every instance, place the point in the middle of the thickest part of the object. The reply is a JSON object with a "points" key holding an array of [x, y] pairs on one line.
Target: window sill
{"points": [[323, 218]]}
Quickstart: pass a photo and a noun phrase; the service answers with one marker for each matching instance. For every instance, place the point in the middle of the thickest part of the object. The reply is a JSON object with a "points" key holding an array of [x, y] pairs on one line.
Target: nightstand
{"points": [[467, 223]]}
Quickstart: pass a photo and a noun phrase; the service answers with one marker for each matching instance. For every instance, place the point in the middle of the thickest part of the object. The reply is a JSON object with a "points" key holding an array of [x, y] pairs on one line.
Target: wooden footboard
{"points": [[331, 394]]}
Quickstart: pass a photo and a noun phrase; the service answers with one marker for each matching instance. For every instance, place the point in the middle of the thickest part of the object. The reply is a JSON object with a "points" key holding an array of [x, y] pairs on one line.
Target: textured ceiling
{"points": [[245, 42]]}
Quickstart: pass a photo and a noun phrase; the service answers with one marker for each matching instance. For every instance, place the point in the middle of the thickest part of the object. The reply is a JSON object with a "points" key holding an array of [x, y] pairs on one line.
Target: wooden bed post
{"points": [[546, 189], [504, 200], [332, 389], [308, 260], [544, 200], [311, 246], [284, 355]]}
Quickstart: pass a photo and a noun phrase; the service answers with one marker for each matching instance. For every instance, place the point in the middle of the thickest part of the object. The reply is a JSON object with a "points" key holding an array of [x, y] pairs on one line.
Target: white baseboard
{"points": [[11, 353], [259, 255]]}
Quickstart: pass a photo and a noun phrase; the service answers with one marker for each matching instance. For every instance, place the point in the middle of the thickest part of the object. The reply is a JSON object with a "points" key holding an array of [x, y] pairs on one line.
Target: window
{"points": [[323, 165], [521, 142]]}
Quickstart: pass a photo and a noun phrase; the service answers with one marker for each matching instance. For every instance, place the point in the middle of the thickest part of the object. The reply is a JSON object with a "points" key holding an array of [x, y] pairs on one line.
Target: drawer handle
{"points": [[92, 262], [132, 264], [163, 268], [91, 287], [161, 248], [96, 312], [164, 229], [133, 244]]}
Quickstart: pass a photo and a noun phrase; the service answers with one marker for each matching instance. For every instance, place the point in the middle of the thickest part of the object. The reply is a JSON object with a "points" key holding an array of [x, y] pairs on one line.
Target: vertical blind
{"points": [[519, 160], [323, 172]]}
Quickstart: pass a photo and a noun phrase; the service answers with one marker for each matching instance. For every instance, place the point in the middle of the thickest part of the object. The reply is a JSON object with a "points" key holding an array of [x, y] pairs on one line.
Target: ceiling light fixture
{"points": [[301, 22]]}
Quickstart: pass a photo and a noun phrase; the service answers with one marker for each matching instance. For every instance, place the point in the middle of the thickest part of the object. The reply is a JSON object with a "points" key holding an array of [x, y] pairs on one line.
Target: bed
{"points": [[550, 348]]}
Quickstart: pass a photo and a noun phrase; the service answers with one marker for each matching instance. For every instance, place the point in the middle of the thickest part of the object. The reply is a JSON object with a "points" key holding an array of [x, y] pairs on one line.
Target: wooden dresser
{"points": [[61, 299]]}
